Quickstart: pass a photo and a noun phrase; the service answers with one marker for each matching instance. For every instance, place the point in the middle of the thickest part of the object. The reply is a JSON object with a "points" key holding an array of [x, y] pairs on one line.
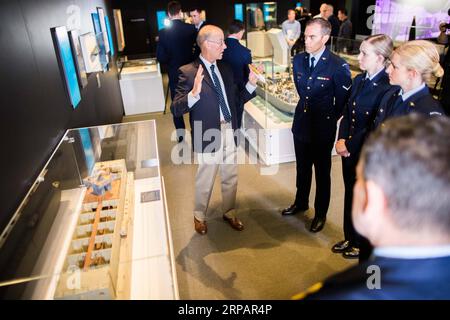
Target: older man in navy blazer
{"points": [[175, 49], [323, 82], [207, 91], [238, 57]]}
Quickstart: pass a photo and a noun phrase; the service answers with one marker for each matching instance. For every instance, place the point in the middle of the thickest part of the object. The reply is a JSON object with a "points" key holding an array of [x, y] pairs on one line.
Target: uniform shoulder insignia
{"points": [[435, 113], [347, 88], [313, 289]]}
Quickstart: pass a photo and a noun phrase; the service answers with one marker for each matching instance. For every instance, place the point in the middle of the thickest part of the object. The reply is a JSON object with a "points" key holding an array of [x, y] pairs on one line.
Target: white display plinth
{"points": [[280, 47], [273, 142], [259, 44], [142, 89]]}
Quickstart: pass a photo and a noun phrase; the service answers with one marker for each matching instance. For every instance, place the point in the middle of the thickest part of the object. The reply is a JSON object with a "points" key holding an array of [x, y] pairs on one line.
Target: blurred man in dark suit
{"points": [[175, 49], [196, 17], [401, 205], [238, 57]]}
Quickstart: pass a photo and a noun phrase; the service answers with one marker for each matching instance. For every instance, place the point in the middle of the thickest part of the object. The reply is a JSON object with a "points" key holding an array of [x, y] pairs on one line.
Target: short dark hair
{"points": [[198, 9], [409, 158], [344, 11], [173, 8], [235, 26], [324, 24]]}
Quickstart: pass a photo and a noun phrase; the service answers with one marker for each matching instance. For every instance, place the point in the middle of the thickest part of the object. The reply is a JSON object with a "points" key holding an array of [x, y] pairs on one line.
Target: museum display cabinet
{"points": [[267, 118], [94, 224], [141, 86]]}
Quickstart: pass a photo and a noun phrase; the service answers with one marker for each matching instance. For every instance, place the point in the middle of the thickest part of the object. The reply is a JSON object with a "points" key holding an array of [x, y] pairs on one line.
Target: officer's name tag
{"points": [[323, 78]]}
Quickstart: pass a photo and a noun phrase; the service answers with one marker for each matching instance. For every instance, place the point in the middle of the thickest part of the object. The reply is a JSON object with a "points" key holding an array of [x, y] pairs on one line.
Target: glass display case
{"points": [[260, 16], [95, 224], [267, 119], [141, 86], [347, 49]]}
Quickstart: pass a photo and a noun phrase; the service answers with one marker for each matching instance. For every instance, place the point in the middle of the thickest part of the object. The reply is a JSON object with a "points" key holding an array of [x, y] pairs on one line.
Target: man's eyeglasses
{"points": [[220, 43]]}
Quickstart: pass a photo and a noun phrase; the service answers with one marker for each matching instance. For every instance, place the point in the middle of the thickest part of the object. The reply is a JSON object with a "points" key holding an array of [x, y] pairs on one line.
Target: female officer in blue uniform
{"points": [[411, 65], [367, 91]]}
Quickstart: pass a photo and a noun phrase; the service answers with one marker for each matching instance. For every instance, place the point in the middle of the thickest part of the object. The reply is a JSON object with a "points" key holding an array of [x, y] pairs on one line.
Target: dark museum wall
{"points": [[35, 109], [140, 26]]}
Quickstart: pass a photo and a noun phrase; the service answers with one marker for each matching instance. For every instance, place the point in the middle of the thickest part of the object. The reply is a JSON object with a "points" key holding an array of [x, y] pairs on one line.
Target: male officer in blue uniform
{"points": [[323, 82], [175, 49], [238, 58], [399, 205]]}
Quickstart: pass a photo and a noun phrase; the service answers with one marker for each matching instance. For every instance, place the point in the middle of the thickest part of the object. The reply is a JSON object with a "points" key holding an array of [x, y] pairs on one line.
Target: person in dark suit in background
{"points": [[367, 91], [411, 65], [402, 206], [196, 17], [345, 32], [198, 22], [238, 57], [323, 82], [175, 49], [333, 20], [207, 91]]}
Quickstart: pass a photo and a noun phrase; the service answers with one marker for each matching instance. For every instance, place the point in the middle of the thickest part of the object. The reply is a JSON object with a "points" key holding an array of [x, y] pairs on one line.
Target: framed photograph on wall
{"points": [[91, 52], [101, 17], [78, 56], [66, 63], [119, 29], [110, 39], [100, 41]]}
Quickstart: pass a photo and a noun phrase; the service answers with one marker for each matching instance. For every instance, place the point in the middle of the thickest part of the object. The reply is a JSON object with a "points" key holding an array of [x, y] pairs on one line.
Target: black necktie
{"points": [[311, 66], [220, 97]]}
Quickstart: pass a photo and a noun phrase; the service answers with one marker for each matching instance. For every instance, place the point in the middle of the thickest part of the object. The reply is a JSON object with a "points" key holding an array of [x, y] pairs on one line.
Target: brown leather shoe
{"points": [[234, 222], [200, 226]]}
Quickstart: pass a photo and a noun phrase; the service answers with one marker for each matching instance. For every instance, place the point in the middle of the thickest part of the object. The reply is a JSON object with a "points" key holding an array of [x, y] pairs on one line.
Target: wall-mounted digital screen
{"points": [[239, 11], [160, 17], [66, 64], [395, 17]]}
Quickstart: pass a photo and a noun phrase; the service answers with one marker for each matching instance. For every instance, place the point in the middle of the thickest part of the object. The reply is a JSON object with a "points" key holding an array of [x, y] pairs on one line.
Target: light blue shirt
{"points": [[405, 96], [193, 100], [316, 57], [374, 75], [423, 252], [291, 30]]}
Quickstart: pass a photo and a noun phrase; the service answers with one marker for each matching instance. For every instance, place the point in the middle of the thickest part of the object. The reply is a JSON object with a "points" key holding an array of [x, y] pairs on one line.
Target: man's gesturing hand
{"points": [[198, 82]]}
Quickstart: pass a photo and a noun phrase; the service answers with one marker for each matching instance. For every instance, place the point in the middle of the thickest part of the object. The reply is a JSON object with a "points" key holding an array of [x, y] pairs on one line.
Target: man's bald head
{"points": [[208, 32], [210, 39]]}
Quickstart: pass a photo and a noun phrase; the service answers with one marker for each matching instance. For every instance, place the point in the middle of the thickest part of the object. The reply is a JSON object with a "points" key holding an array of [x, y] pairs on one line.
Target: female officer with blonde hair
{"points": [[411, 65], [368, 89]]}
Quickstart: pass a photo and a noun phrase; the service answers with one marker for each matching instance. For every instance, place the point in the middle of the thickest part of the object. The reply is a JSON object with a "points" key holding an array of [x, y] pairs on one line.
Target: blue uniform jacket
{"points": [[323, 95], [421, 102], [361, 109], [407, 279]]}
